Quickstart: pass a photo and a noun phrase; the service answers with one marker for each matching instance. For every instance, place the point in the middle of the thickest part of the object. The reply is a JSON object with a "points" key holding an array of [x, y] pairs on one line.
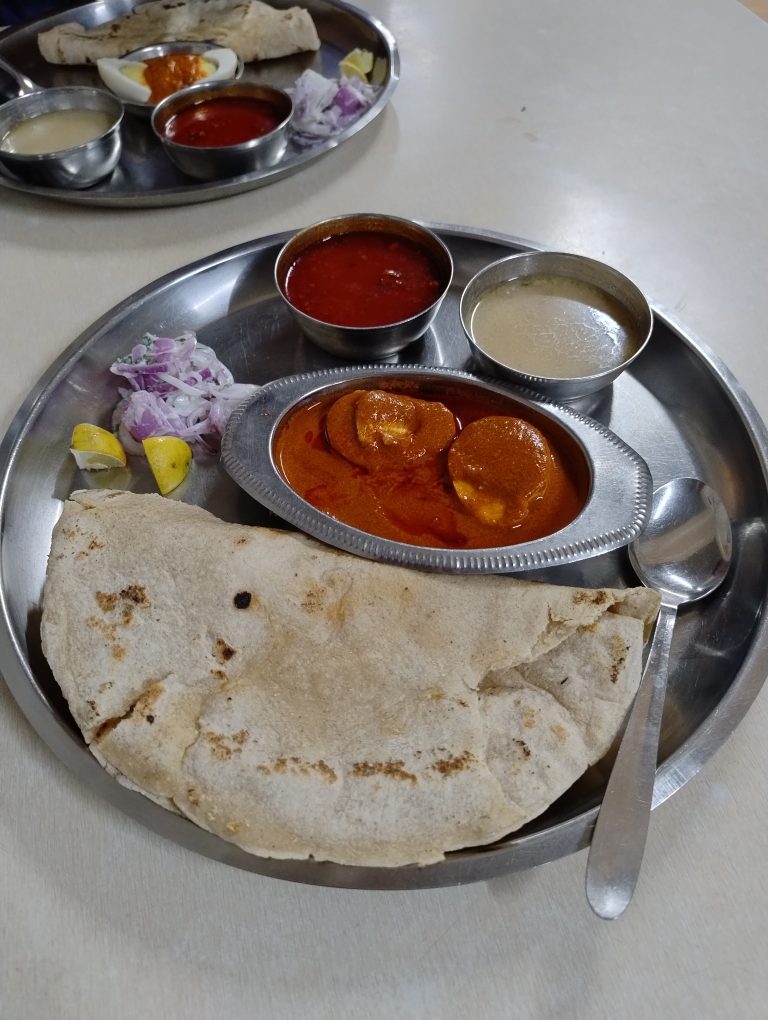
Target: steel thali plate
{"points": [[677, 405], [145, 177]]}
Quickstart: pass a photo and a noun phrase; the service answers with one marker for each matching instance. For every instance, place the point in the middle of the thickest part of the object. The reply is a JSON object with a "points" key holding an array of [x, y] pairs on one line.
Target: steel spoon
{"points": [[684, 553], [26, 85]]}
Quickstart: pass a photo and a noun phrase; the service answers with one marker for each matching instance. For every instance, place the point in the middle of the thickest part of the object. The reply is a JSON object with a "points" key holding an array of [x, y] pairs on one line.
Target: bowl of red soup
{"points": [[364, 286], [218, 129], [437, 469]]}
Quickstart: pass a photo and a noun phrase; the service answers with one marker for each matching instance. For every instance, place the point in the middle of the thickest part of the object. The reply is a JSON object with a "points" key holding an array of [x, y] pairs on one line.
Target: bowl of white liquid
{"points": [[66, 137], [561, 324]]}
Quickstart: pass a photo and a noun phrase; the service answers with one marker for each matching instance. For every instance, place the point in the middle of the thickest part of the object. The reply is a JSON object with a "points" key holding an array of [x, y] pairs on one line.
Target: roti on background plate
{"points": [[302, 702], [254, 30]]}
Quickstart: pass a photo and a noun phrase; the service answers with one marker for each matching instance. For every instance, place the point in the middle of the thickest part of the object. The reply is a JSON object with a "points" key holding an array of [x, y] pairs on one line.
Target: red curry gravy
{"points": [[229, 120], [363, 278], [452, 471]]}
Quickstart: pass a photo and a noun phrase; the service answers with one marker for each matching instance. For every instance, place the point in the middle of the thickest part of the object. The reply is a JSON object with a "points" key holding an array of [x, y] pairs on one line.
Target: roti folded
{"points": [[301, 702], [254, 30]]}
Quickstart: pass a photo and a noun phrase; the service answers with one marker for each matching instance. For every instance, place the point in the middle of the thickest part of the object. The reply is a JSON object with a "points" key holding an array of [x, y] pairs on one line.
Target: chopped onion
{"points": [[176, 387], [322, 107]]}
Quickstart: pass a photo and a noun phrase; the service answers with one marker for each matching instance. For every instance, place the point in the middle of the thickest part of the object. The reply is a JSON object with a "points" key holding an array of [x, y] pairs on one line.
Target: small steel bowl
{"points": [[363, 343], [615, 480], [162, 50], [625, 299], [208, 163], [77, 167]]}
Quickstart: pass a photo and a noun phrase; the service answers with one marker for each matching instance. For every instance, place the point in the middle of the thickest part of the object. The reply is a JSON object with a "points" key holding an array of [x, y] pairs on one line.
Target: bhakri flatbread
{"points": [[254, 30], [301, 702]]}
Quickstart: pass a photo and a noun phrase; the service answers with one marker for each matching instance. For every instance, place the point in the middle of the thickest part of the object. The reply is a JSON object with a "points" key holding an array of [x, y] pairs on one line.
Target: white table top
{"points": [[632, 132]]}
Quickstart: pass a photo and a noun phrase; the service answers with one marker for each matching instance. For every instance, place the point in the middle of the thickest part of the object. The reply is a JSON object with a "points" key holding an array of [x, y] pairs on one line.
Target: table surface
{"points": [[634, 133]]}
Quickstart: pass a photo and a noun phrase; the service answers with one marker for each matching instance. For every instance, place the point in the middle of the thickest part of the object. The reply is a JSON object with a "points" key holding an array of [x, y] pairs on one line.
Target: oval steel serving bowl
{"points": [[363, 343], [626, 296], [618, 485]]}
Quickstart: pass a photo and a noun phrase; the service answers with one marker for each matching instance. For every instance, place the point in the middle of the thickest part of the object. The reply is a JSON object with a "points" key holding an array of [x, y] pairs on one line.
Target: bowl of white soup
{"points": [[561, 324], [66, 137]]}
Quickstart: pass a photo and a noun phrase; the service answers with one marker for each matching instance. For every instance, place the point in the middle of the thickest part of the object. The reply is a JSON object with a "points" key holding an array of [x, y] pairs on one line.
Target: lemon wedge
{"points": [[95, 449], [357, 63], [169, 458]]}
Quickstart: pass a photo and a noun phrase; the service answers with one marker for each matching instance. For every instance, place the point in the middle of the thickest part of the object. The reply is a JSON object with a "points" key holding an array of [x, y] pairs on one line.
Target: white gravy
{"points": [[54, 131], [553, 326]]}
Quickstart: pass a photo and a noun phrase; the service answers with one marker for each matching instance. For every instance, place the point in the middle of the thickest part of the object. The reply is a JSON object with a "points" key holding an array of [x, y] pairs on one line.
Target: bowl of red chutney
{"points": [[217, 129], [364, 286]]}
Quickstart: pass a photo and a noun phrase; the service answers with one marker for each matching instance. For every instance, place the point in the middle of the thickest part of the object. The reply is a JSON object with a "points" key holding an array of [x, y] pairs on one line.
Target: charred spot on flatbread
{"points": [[140, 707], [224, 651]]}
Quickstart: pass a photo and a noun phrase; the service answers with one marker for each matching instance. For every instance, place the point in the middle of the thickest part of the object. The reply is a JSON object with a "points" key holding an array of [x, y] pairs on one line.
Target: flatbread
{"points": [[254, 30], [302, 702]]}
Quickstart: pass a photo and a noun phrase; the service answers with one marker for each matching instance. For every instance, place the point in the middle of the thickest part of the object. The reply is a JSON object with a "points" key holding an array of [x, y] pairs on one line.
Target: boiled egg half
{"points": [[150, 80]]}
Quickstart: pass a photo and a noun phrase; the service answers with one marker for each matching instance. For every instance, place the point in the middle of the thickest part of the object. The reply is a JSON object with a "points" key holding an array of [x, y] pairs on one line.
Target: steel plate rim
{"points": [[213, 190], [507, 855]]}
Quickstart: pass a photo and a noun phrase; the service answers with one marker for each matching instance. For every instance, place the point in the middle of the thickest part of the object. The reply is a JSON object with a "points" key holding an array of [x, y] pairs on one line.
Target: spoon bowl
{"points": [[684, 553], [685, 549]]}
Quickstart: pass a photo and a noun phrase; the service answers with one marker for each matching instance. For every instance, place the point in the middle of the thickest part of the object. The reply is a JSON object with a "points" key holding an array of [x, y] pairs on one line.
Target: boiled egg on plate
{"points": [[152, 79]]}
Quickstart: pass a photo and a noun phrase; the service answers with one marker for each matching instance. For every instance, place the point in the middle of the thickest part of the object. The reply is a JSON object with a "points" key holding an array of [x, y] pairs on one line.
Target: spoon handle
{"points": [[618, 840], [26, 85]]}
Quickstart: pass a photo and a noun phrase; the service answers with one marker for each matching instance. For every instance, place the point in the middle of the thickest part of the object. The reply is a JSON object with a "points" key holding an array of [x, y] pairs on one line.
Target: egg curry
{"points": [[450, 473]]}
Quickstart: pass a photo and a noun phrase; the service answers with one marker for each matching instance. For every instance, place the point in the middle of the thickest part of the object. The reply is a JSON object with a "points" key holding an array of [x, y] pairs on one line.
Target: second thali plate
{"points": [[145, 177], [677, 406]]}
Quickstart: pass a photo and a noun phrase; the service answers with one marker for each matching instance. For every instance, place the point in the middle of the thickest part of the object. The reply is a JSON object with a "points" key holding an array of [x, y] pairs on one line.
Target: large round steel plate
{"points": [[678, 406]]}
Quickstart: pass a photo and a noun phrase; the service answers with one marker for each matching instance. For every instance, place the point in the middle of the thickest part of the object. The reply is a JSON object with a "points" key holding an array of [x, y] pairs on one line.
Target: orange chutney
{"points": [[167, 74], [446, 469]]}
